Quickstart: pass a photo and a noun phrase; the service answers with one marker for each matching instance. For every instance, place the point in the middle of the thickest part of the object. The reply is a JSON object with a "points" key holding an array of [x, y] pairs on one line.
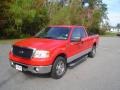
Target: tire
{"points": [[93, 52], [59, 68]]}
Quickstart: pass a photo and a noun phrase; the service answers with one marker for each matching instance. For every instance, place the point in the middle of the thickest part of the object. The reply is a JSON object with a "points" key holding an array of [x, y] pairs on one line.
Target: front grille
{"points": [[22, 52]]}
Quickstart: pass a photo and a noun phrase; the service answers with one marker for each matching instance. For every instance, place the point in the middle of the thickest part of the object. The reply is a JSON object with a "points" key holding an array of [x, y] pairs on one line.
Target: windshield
{"points": [[54, 33]]}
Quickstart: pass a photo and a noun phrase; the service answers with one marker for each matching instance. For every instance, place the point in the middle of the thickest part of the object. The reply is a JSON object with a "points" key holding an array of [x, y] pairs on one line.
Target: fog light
{"points": [[12, 63], [36, 69]]}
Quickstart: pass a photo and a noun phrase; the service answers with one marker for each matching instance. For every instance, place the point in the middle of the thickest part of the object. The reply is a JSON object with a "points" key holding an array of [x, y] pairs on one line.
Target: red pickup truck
{"points": [[51, 50]]}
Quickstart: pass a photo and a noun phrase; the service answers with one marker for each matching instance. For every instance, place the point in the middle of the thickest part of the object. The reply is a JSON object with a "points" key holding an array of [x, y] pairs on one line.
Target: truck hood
{"points": [[40, 43]]}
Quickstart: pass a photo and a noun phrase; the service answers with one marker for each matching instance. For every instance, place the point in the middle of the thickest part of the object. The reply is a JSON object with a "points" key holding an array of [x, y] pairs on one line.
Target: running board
{"points": [[77, 61]]}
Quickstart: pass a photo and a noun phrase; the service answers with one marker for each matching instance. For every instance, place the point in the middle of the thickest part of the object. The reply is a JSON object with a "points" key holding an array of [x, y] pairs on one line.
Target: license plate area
{"points": [[18, 67]]}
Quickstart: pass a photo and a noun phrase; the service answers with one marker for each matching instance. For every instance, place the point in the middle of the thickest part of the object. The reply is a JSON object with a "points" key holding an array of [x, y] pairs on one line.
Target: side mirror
{"points": [[76, 39]]}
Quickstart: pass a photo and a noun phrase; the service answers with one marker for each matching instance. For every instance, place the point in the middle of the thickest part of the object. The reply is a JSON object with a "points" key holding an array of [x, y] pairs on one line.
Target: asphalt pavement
{"points": [[99, 73]]}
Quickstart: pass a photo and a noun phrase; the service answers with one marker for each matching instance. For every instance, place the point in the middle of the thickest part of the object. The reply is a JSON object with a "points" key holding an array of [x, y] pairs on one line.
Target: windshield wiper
{"points": [[37, 36], [49, 37]]}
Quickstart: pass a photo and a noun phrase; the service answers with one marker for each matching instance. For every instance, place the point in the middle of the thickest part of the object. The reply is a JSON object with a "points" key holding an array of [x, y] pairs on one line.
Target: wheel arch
{"points": [[62, 55], [95, 44]]}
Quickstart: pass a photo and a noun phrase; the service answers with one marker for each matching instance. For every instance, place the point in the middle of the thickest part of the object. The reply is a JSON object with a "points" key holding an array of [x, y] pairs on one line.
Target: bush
{"points": [[28, 17], [11, 33], [102, 32], [39, 21]]}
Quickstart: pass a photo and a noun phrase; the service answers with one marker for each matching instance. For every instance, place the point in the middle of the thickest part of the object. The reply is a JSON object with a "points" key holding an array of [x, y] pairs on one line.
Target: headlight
{"points": [[41, 54]]}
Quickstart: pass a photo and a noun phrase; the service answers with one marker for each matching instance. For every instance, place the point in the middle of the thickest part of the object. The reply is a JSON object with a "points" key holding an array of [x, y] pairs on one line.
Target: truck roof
{"points": [[70, 26]]}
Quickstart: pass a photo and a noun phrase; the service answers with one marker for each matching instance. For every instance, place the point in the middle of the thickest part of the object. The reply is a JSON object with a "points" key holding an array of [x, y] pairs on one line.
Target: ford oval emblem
{"points": [[21, 52]]}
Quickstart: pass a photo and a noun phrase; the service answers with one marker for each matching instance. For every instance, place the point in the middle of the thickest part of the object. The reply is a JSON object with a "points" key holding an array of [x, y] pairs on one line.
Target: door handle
{"points": [[75, 43]]}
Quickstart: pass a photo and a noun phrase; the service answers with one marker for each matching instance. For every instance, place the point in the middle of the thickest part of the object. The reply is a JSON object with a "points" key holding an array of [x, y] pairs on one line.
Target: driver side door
{"points": [[75, 46]]}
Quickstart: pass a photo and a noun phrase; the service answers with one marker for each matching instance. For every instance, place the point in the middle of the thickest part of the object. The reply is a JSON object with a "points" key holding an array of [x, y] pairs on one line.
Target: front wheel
{"points": [[59, 68], [93, 52]]}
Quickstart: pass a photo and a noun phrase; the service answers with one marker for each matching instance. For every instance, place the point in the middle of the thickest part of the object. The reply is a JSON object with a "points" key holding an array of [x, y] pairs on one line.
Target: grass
{"points": [[109, 34], [9, 41]]}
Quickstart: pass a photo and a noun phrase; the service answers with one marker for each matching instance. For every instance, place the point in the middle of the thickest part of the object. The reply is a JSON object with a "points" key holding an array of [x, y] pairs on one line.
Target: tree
{"points": [[98, 13], [28, 16], [4, 6], [75, 13]]}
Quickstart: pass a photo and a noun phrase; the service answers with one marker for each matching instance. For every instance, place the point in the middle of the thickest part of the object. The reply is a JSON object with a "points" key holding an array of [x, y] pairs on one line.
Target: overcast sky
{"points": [[113, 11]]}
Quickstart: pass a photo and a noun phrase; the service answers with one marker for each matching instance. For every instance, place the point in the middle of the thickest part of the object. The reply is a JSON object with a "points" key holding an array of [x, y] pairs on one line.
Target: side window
{"points": [[82, 32], [76, 34]]}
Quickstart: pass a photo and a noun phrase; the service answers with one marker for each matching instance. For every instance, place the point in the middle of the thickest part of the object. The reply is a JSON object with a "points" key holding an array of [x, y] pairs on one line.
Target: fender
{"points": [[58, 52]]}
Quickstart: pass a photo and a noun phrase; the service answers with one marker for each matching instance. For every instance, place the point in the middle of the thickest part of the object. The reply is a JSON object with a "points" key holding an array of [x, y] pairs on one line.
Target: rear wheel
{"points": [[93, 52], [59, 68]]}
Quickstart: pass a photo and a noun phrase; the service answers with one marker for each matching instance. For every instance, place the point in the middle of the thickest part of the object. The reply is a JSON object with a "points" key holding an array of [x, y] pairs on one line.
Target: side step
{"points": [[77, 61]]}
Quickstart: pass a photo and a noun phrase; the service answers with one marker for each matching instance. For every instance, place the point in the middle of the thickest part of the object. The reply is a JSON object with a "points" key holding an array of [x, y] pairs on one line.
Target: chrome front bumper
{"points": [[33, 69]]}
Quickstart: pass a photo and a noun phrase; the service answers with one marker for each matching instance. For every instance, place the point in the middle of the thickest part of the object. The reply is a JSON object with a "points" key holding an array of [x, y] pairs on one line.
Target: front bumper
{"points": [[33, 69]]}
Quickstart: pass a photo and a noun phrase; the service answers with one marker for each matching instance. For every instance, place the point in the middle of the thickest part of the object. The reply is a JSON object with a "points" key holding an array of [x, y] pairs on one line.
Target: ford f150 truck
{"points": [[51, 50]]}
